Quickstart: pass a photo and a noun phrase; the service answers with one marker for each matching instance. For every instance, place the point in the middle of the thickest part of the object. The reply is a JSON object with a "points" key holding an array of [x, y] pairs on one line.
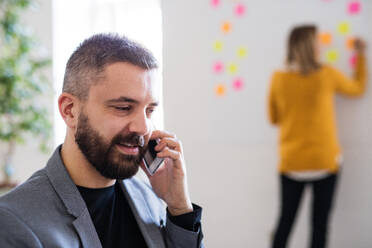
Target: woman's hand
{"points": [[359, 46]]}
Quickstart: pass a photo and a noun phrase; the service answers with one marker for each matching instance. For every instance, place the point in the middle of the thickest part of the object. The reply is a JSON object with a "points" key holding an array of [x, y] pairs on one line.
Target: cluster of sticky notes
{"points": [[231, 68], [239, 9], [344, 28], [221, 88]]}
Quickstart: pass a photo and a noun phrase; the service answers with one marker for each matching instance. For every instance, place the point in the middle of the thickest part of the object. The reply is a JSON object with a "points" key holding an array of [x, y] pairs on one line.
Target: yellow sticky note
{"points": [[242, 52], [218, 46], [344, 28], [332, 55], [220, 90], [232, 68]]}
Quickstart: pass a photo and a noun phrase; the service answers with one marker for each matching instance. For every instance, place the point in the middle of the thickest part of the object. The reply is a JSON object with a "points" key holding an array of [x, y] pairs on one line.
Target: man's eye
{"points": [[123, 108], [150, 111]]}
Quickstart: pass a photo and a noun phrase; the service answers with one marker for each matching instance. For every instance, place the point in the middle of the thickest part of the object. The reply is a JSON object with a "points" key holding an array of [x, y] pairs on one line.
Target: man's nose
{"points": [[140, 124]]}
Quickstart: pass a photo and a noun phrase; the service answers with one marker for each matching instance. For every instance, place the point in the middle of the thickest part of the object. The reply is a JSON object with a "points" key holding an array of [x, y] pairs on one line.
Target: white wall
{"points": [[230, 149]]}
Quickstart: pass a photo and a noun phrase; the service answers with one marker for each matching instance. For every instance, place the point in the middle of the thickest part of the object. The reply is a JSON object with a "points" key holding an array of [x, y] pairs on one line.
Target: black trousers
{"points": [[323, 191]]}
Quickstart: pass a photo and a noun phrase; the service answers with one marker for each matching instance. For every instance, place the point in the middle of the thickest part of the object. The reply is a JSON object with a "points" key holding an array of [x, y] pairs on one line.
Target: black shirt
{"points": [[112, 217], [115, 223]]}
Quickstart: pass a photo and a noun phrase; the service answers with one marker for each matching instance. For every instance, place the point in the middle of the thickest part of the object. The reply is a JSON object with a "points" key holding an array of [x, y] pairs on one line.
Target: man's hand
{"points": [[170, 181]]}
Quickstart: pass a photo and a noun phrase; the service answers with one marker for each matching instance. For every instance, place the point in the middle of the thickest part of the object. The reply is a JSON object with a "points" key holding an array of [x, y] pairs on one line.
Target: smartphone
{"points": [[151, 161]]}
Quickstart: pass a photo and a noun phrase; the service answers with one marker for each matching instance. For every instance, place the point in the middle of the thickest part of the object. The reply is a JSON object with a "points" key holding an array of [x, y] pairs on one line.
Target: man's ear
{"points": [[69, 109]]}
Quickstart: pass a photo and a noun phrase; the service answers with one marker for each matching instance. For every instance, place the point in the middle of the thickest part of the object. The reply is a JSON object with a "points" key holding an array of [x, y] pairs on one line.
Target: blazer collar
{"points": [[140, 207], [71, 198], [75, 205]]}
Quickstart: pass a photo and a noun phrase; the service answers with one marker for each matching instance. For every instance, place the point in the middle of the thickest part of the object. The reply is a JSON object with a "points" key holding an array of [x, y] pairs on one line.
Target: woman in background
{"points": [[301, 103]]}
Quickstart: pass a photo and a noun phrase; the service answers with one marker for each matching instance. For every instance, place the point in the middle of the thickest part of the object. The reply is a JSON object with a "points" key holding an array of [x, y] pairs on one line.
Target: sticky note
{"points": [[237, 84], [218, 67], [354, 7], [220, 90], [350, 43], [353, 60], [325, 38], [232, 68], [226, 27], [332, 55], [215, 3], [344, 28], [242, 52], [218, 46], [239, 9]]}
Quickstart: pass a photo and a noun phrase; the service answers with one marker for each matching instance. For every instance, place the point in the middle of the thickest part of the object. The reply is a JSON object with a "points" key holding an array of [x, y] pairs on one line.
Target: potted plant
{"points": [[22, 82]]}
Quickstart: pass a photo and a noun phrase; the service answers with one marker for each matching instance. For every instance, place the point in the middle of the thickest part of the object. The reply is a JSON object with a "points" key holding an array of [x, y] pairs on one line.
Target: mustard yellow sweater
{"points": [[303, 108]]}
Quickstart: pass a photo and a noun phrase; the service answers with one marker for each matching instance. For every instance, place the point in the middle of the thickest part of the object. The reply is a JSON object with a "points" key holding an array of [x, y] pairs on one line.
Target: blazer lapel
{"points": [[71, 198], [146, 222], [86, 230]]}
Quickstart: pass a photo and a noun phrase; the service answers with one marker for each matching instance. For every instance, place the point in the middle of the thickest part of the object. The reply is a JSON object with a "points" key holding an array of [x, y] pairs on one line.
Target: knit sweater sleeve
{"points": [[354, 86]]}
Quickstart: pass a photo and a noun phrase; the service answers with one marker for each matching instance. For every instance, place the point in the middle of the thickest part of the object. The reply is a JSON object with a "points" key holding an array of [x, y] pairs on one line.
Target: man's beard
{"points": [[105, 157]]}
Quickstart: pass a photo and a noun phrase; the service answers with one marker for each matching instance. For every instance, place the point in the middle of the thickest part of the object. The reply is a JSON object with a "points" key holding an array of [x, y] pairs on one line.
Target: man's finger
{"points": [[158, 134], [171, 143]]}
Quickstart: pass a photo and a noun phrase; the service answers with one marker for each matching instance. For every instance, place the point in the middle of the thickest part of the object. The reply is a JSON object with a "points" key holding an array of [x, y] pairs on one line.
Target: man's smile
{"points": [[128, 149]]}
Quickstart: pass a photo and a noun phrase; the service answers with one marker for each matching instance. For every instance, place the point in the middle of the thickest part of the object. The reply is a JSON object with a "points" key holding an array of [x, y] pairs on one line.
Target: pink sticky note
{"points": [[239, 9], [218, 67], [238, 84], [215, 3], [353, 60], [354, 7]]}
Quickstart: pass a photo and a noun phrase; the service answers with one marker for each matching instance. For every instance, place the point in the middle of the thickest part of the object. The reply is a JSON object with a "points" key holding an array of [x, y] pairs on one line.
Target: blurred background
{"points": [[217, 58]]}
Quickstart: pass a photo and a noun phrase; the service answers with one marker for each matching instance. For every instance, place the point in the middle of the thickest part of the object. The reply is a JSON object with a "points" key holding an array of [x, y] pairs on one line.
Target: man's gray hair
{"points": [[89, 60]]}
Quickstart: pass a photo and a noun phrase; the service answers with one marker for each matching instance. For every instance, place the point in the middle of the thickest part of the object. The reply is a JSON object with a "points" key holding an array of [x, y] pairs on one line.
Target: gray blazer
{"points": [[48, 211]]}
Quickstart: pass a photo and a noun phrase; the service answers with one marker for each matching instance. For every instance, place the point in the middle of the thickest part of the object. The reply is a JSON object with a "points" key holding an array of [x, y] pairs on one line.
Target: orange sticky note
{"points": [[350, 43], [220, 90], [325, 38], [226, 27]]}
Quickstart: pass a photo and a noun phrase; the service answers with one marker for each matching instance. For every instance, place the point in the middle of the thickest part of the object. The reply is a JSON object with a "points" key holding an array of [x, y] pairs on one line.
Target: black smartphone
{"points": [[151, 161]]}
